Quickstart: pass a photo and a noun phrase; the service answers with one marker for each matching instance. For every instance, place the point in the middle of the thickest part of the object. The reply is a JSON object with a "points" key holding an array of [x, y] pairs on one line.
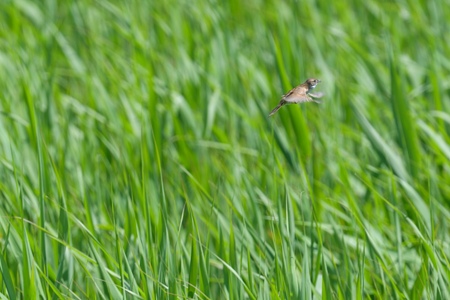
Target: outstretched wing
{"points": [[316, 95], [297, 98], [297, 95]]}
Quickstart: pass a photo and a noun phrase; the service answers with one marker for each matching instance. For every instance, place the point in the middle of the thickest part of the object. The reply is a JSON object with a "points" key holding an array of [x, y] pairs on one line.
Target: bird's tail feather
{"points": [[276, 109]]}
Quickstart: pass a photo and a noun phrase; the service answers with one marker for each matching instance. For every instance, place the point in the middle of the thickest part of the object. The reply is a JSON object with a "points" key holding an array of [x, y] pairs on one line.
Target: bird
{"points": [[299, 94]]}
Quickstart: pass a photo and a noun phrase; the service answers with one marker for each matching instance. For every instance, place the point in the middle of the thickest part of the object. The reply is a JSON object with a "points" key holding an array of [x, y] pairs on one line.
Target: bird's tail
{"points": [[276, 109]]}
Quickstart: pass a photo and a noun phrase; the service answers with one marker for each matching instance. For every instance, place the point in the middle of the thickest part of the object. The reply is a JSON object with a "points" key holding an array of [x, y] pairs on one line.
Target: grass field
{"points": [[137, 160]]}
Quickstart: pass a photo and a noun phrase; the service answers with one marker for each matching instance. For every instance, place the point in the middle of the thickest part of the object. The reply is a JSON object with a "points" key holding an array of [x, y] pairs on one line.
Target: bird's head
{"points": [[312, 82]]}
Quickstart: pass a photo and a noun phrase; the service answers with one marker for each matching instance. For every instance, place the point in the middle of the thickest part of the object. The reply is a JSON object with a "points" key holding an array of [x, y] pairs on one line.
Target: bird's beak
{"points": [[318, 80]]}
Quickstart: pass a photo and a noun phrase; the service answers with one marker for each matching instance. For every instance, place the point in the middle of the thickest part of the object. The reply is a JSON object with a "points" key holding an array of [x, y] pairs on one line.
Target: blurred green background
{"points": [[137, 159]]}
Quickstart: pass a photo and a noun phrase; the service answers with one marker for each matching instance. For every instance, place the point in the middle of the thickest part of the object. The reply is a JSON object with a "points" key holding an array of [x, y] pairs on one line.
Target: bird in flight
{"points": [[299, 94]]}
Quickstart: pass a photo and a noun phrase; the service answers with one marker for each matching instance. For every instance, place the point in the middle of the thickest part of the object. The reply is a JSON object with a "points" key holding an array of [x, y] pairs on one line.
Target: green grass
{"points": [[137, 160]]}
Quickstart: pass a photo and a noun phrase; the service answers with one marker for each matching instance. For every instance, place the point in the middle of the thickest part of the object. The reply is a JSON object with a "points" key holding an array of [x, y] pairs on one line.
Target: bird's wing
{"points": [[297, 97], [316, 95], [298, 89]]}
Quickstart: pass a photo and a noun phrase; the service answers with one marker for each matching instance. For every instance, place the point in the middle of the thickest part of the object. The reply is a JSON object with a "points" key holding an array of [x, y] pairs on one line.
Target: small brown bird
{"points": [[299, 94]]}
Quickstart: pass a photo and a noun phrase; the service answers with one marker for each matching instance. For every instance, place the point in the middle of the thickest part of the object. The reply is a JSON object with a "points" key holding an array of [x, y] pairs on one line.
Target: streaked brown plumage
{"points": [[299, 94]]}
